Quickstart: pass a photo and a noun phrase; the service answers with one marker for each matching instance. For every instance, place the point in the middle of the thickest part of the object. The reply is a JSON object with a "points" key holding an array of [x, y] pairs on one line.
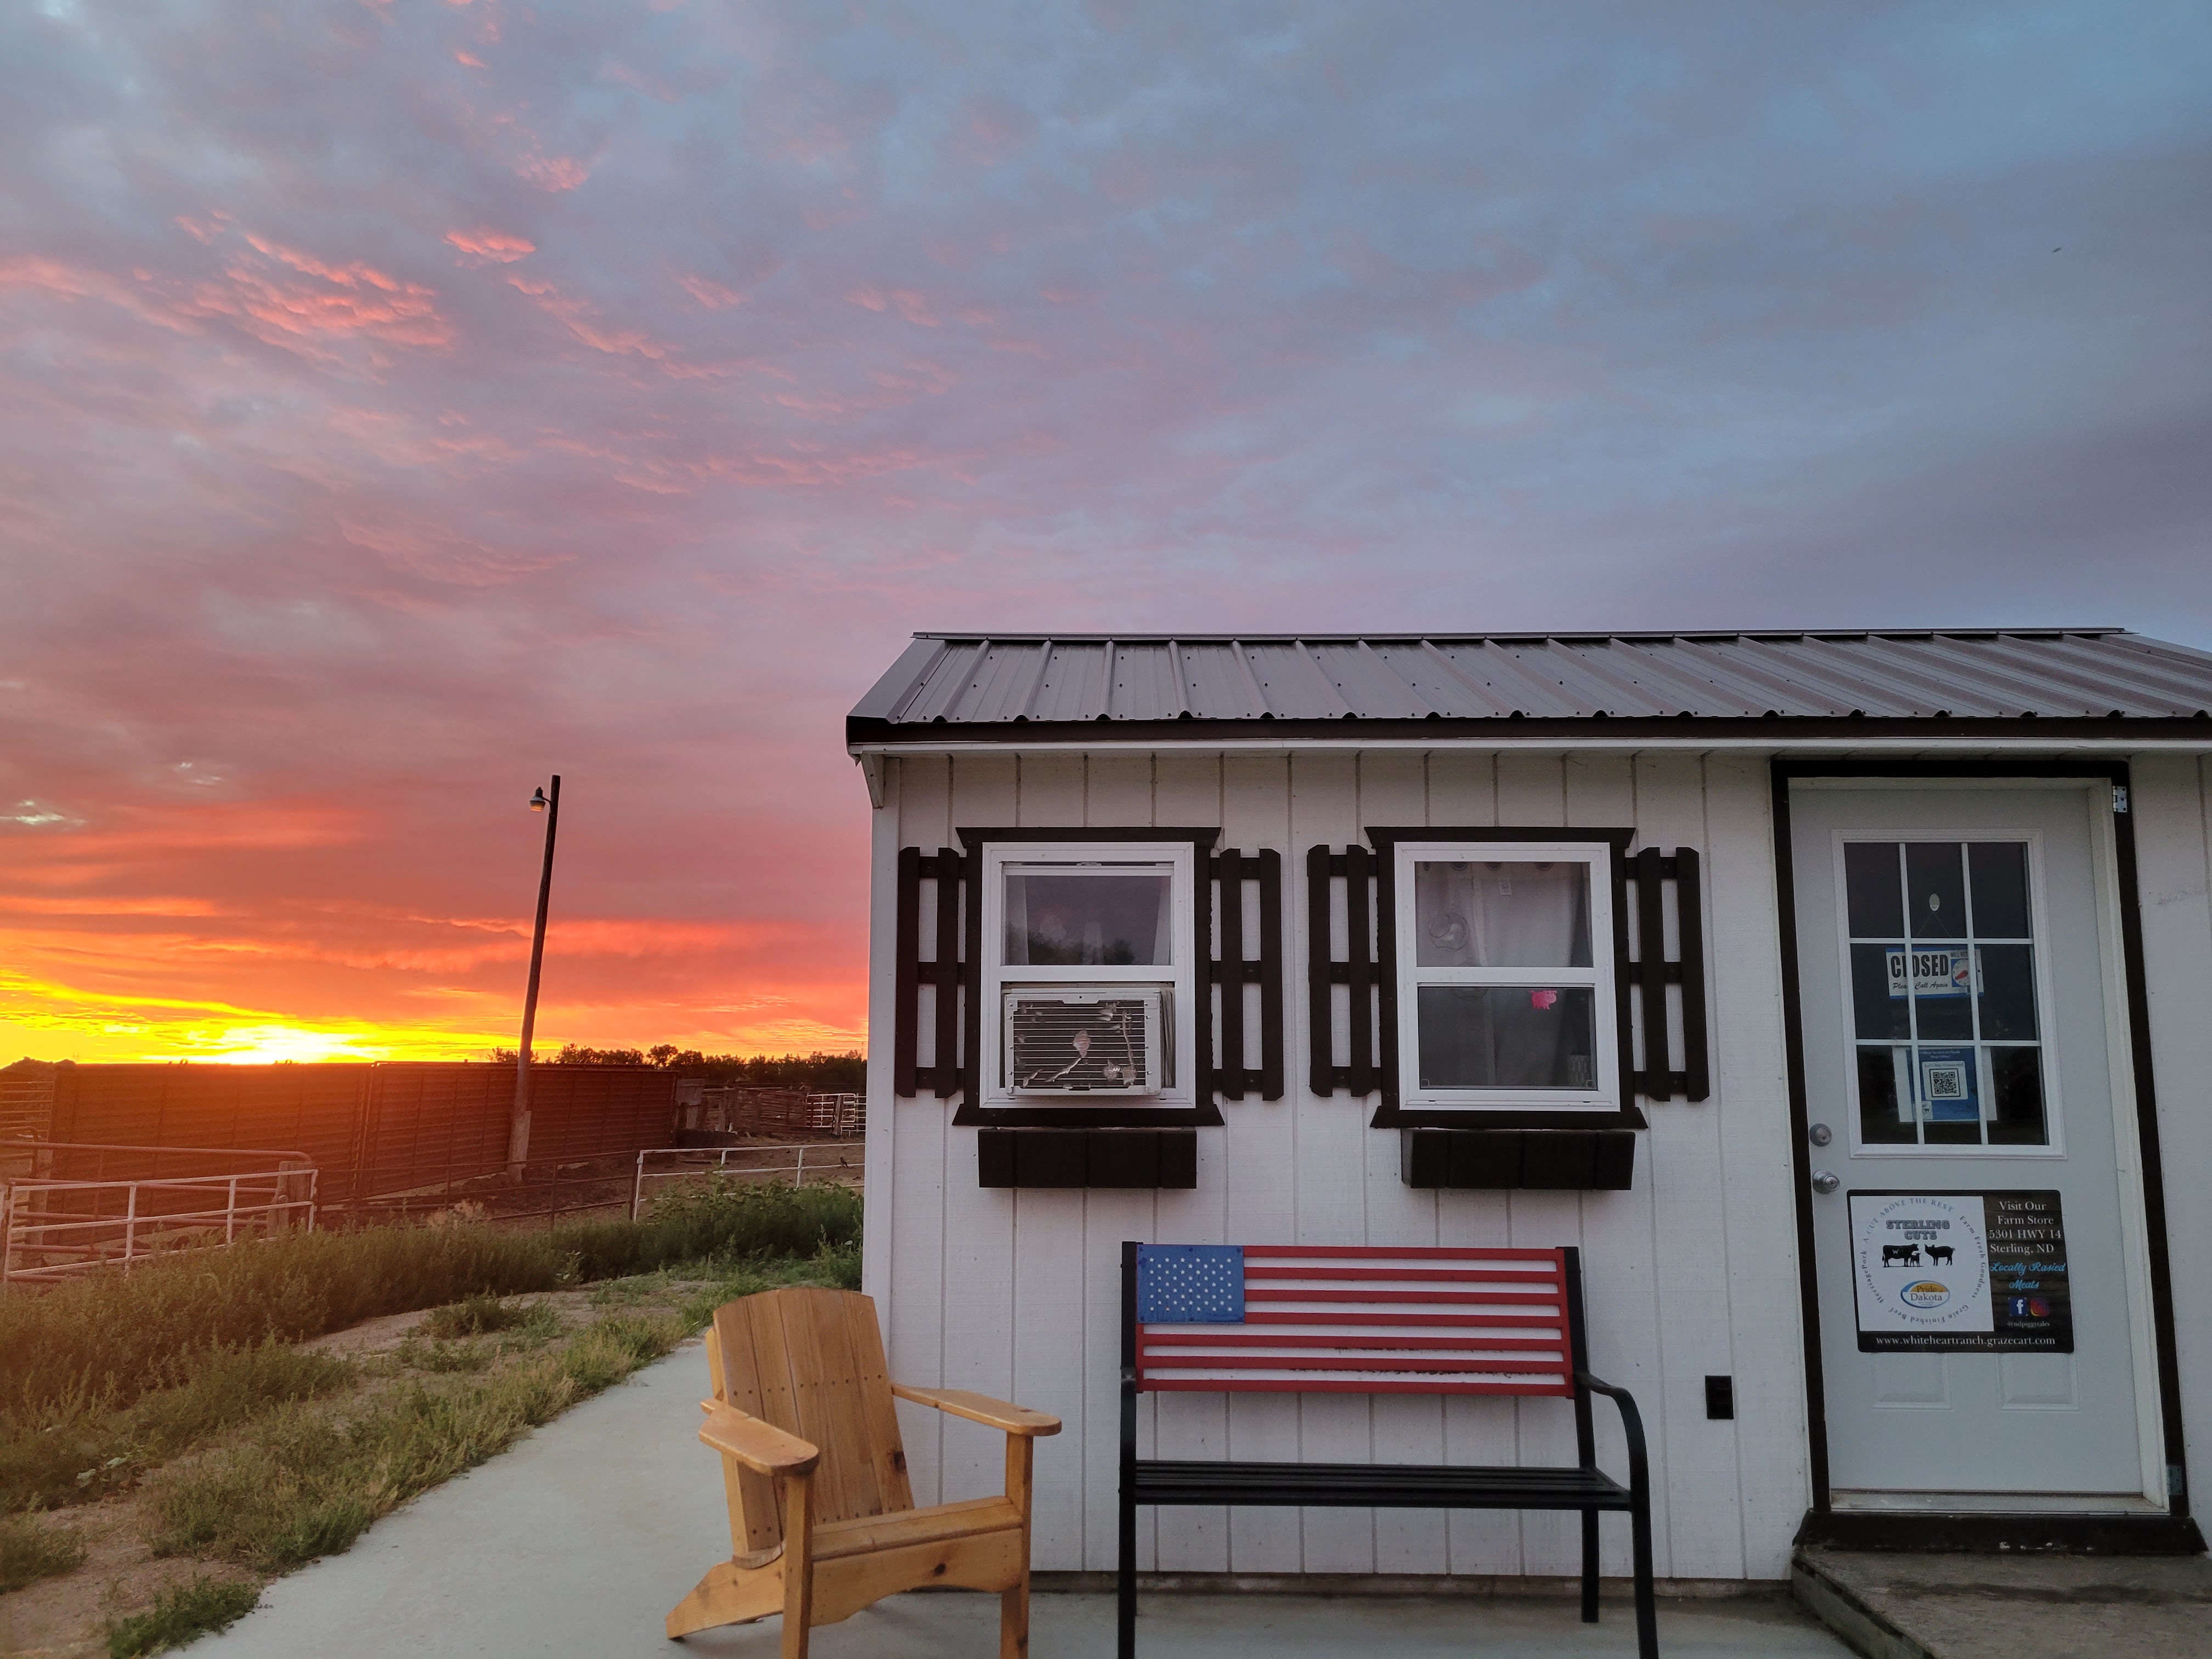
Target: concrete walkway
{"points": [[579, 1539]]}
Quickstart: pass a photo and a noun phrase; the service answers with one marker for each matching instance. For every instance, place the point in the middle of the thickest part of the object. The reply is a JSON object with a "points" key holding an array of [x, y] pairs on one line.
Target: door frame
{"points": [[2148, 1532]]}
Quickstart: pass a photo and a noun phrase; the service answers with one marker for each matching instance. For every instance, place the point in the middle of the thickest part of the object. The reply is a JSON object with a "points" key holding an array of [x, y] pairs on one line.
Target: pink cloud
{"points": [[484, 248], [638, 81], [553, 173], [711, 294], [907, 302]]}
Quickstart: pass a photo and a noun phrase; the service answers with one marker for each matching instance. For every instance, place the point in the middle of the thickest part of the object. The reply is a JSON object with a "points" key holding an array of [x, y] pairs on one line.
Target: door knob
{"points": [[1824, 1183]]}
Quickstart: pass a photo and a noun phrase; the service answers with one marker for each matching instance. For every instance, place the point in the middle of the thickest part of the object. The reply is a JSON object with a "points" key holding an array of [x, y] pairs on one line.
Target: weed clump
{"points": [[483, 1315], [81, 1448], [301, 1486], [29, 1552], [180, 1614]]}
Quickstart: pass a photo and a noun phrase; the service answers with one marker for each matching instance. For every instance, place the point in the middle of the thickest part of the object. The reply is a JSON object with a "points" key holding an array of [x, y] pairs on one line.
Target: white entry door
{"points": [[1957, 968]]}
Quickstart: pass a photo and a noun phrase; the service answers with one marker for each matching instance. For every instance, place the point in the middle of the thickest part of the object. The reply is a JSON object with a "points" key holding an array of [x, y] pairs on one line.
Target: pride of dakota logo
{"points": [[1928, 1293]]}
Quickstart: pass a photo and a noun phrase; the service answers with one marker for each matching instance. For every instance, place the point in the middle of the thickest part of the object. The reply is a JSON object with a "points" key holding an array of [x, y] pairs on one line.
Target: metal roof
{"points": [[2067, 674]]}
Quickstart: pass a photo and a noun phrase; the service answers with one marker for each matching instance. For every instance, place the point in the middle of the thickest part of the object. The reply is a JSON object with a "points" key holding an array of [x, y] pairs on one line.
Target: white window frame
{"points": [[1596, 857], [1179, 978]]}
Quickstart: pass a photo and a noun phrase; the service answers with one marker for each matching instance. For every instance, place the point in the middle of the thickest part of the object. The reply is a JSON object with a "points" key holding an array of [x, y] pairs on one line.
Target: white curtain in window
{"points": [[1481, 914]]}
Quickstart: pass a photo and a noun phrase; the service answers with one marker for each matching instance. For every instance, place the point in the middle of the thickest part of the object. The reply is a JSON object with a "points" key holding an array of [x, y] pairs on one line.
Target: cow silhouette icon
{"points": [[1907, 1255]]}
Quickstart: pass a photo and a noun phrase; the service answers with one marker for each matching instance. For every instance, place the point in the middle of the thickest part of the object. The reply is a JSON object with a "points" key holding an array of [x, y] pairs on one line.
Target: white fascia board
{"points": [[2114, 747]]}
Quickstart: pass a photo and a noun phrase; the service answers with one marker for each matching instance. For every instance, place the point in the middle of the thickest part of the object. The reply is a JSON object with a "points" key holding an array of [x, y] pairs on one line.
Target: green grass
{"points": [[441, 1357], [29, 1552], [180, 1614], [82, 1448], [114, 1337], [107, 1382], [106, 1340], [723, 1220], [301, 1485], [482, 1315]]}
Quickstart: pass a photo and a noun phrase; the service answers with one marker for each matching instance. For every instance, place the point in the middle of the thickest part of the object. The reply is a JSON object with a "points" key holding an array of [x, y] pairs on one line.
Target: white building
{"points": [[1864, 1162]]}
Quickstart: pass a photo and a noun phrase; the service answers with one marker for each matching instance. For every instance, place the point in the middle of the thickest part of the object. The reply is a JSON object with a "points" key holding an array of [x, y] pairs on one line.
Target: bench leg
{"points": [[1590, 1566], [1647, 1609], [1125, 1589]]}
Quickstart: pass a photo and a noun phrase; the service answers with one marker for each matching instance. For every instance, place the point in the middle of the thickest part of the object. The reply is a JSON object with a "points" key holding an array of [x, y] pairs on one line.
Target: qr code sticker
{"points": [[1946, 1082]]}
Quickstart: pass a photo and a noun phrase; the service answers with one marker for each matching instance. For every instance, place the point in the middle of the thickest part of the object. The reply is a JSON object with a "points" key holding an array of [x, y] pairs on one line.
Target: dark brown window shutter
{"points": [[1355, 867], [946, 970], [1234, 1076], [1667, 1070]]}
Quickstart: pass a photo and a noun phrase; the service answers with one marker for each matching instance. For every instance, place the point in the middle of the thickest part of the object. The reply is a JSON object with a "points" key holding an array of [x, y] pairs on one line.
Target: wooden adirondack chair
{"points": [[822, 1521]]}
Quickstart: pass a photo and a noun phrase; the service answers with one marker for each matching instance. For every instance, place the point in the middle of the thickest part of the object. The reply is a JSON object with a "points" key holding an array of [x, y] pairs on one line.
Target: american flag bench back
{"points": [[1291, 1319]]}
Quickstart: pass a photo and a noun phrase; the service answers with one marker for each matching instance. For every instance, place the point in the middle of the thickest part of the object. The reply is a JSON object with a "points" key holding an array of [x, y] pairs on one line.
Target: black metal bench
{"points": [[1280, 1319]]}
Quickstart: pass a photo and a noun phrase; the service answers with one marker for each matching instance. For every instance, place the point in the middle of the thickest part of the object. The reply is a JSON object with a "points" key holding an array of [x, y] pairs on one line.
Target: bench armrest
{"points": [[982, 1408], [1632, 1423], [760, 1447]]}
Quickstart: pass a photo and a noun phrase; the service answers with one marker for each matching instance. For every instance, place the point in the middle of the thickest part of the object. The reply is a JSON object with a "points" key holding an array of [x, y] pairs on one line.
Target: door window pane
{"points": [[1942, 987], [2016, 1094], [1879, 1007], [2007, 991], [1506, 1036], [2000, 871], [1880, 1123], [1482, 915], [1088, 918], [1934, 890], [1875, 901]]}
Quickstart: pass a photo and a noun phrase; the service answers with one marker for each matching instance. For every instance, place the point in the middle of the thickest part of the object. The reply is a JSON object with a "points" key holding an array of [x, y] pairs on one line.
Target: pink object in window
{"points": [[1542, 998]]}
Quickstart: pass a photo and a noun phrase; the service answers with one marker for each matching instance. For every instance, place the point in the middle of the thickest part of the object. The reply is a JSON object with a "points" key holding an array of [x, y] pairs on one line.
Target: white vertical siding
{"points": [[1018, 1293], [2172, 806], [1766, 1456]]}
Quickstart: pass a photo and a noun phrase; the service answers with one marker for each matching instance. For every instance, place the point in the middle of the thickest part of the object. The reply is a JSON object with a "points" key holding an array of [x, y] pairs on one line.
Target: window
{"points": [[1089, 975], [1506, 998], [1942, 982]]}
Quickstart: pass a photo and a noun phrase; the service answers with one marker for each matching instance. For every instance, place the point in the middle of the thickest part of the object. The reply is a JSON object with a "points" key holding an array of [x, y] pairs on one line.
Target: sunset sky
{"points": [[405, 402]]}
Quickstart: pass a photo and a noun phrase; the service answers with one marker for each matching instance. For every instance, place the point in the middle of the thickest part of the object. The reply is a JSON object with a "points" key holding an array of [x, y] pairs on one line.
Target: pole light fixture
{"points": [[518, 1138]]}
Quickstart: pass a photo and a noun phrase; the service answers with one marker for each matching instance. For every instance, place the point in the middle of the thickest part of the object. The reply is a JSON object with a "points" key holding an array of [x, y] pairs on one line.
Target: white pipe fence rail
{"points": [[51, 1229], [691, 1163]]}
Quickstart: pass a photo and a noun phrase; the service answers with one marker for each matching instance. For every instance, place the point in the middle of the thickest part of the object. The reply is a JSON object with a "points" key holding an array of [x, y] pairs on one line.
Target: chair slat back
{"points": [[1297, 1320], [812, 1361]]}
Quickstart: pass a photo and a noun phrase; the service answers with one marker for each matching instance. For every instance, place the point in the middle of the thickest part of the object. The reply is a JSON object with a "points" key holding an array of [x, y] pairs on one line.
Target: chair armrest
{"points": [[1632, 1423], [982, 1408], [762, 1446]]}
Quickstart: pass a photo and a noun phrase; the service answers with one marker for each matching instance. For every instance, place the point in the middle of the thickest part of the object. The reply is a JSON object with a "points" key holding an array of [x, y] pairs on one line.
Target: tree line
{"points": [[817, 1073]]}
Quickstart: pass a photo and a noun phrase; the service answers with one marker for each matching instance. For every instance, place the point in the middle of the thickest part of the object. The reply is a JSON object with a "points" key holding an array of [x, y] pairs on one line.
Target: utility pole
{"points": [[518, 1138]]}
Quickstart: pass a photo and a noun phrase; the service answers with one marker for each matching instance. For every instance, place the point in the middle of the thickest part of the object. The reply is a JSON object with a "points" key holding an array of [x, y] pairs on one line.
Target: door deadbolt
{"points": [[1824, 1182], [1820, 1134]]}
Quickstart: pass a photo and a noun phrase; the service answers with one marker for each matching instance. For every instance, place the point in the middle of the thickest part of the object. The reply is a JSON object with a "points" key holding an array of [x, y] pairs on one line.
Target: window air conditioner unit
{"points": [[1085, 1040]]}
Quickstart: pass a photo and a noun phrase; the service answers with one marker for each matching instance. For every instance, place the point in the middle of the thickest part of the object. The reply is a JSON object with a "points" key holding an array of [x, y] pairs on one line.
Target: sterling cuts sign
{"points": [[1961, 1272]]}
